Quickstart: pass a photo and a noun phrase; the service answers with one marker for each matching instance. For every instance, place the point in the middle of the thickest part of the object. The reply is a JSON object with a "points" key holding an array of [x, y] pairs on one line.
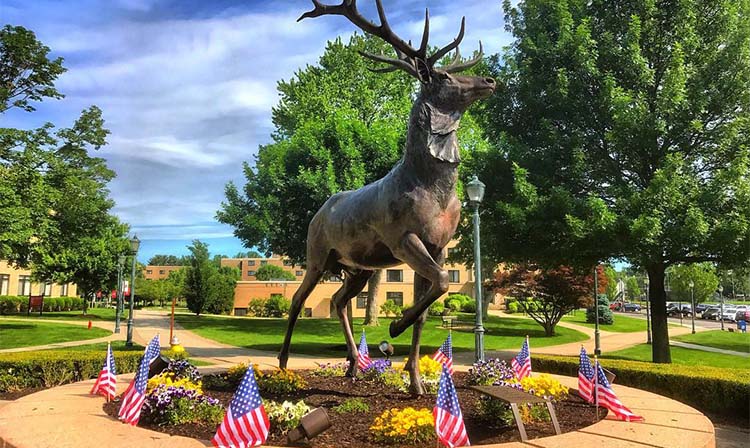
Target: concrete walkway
{"points": [[706, 348]]}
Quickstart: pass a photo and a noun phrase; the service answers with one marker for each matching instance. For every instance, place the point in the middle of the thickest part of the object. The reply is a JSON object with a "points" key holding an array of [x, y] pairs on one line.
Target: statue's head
{"points": [[441, 86]]}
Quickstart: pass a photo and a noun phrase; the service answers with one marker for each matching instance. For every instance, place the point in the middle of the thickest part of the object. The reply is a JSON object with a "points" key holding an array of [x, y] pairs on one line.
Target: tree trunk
{"points": [[371, 313], [549, 329], [660, 352]]}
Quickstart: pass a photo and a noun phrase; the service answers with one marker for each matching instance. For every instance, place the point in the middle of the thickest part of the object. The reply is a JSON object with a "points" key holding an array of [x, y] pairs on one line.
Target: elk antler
{"points": [[455, 66], [413, 61]]}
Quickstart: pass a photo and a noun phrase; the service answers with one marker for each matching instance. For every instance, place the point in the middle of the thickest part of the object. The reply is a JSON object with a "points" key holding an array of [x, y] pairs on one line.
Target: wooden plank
{"points": [[508, 394], [519, 422]]}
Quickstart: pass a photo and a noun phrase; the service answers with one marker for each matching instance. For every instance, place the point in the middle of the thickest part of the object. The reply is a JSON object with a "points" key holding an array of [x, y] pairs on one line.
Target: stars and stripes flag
{"points": [[606, 398], [444, 355], [363, 354], [106, 383], [521, 363], [449, 421], [585, 377], [245, 424], [135, 395]]}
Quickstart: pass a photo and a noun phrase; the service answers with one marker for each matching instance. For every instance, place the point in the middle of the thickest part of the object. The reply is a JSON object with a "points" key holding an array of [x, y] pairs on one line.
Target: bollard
{"points": [[89, 325]]}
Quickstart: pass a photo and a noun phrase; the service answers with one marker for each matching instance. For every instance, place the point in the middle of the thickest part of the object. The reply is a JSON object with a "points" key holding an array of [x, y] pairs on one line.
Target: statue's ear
{"points": [[423, 71]]}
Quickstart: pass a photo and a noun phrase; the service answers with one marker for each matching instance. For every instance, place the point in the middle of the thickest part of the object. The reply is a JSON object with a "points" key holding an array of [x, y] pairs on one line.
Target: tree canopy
{"points": [[167, 260], [272, 272], [622, 131], [703, 276], [207, 287]]}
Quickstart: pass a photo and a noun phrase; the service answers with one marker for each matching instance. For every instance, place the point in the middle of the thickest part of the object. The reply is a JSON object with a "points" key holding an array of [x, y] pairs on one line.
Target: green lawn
{"points": [[738, 342], [91, 314], [623, 324], [324, 337], [684, 356], [15, 334]]}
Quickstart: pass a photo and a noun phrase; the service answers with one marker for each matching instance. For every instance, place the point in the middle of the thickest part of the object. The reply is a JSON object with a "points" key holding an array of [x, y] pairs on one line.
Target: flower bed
{"points": [[362, 411]]}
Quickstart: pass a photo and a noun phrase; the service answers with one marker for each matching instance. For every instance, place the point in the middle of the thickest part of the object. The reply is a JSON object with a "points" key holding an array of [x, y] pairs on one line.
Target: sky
{"points": [[187, 87]]}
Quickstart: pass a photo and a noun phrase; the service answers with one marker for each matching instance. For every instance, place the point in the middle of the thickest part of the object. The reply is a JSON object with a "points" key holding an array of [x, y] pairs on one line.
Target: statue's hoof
{"points": [[395, 329]]}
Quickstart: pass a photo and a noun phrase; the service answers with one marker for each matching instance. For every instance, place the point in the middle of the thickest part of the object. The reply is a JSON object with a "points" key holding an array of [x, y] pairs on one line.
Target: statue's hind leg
{"points": [[312, 277], [353, 285]]}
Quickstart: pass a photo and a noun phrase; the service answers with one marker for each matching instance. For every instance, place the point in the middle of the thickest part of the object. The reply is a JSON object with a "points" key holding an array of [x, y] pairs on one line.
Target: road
{"points": [[709, 324]]}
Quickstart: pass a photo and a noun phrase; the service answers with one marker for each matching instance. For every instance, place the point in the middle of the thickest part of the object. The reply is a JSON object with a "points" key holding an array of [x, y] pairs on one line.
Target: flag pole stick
{"points": [[596, 385]]}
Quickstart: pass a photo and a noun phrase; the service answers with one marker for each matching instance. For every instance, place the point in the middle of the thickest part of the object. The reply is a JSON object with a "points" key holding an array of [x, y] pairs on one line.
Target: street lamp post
{"points": [[692, 303], [648, 312], [118, 309], [597, 347], [475, 192], [721, 305], [134, 245]]}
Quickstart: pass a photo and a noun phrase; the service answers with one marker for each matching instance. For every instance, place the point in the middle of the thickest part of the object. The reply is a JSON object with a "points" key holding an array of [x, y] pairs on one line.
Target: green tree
{"points": [[703, 276], [248, 254], [632, 288], [272, 272], [623, 129], [735, 282], [167, 260], [221, 290], [612, 279], [197, 277]]}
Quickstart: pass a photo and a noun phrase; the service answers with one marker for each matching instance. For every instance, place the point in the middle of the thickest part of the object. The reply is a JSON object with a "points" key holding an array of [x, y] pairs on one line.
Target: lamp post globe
{"points": [[135, 244], [475, 192], [692, 303]]}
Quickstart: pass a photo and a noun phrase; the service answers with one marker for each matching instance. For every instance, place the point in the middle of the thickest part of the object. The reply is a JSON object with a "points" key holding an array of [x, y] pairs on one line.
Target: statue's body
{"points": [[409, 215]]}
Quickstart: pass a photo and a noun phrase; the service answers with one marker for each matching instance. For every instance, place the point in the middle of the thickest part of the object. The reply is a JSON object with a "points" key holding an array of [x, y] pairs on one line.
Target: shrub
{"points": [[404, 426], [494, 411], [76, 303], [436, 309], [12, 304], [277, 306], [390, 308], [512, 307], [176, 353], [48, 368], [709, 389], [605, 314], [285, 416], [257, 307], [452, 304], [469, 307], [352, 405], [280, 382]]}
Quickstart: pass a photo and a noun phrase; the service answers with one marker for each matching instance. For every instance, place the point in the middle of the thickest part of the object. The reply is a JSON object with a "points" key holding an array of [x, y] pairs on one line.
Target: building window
{"points": [[362, 300], [397, 297], [263, 262], [64, 290], [4, 284], [24, 285], [394, 275], [308, 312], [161, 271], [149, 271], [250, 273], [298, 273], [251, 262], [240, 311], [48, 289], [287, 262], [454, 276]]}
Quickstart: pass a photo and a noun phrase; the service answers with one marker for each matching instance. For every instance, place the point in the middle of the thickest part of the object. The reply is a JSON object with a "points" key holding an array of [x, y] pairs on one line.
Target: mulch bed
{"points": [[10, 396], [352, 430]]}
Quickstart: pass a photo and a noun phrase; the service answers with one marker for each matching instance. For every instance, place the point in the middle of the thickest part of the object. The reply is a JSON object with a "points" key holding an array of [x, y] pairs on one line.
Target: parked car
{"points": [[730, 313], [674, 309], [742, 313], [701, 307], [712, 313], [631, 307], [615, 306]]}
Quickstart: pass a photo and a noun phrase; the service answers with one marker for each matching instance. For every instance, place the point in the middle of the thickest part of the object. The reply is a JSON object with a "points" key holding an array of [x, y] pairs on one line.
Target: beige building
{"points": [[158, 272], [17, 282], [397, 284]]}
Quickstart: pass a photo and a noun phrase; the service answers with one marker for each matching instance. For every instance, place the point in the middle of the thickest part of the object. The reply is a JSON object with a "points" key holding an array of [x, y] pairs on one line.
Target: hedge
{"points": [[49, 368], [708, 389], [19, 304]]}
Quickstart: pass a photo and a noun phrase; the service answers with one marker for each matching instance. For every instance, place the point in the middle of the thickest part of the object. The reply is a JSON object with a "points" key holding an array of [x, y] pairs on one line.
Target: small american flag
{"points": [[521, 363], [606, 398], [106, 383], [363, 355], [245, 424], [585, 377], [444, 355], [135, 395], [449, 421]]}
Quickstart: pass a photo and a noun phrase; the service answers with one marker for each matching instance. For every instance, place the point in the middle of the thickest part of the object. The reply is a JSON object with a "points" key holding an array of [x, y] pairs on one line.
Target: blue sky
{"points": [[187, 88]]}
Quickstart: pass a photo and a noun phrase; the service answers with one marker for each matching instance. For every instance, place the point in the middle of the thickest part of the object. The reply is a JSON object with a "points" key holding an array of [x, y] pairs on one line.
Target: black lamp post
{"points": [[692, 303], [135, 243], [118, 309], [721, 304], [597, 347], [648, 312], [475, 192]]}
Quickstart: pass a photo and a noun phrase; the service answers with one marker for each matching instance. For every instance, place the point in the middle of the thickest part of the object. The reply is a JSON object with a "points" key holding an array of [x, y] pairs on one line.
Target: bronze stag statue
{"points": [[409, 215]]}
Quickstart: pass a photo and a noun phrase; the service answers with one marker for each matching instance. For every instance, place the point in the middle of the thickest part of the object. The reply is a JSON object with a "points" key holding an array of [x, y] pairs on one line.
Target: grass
{"points": [[622, 324], [102, 346], [14, 334], [324, 337], [91, 314], [683, 356], [738, 342]]}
